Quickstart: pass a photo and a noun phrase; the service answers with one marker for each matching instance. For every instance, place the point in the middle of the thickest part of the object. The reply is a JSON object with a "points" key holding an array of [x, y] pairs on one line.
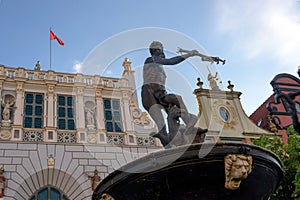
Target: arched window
{"points": [[49, 193]]}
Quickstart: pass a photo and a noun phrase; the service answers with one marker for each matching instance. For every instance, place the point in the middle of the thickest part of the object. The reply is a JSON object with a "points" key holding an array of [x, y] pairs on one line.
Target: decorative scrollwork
{"points": [[139, 117]]}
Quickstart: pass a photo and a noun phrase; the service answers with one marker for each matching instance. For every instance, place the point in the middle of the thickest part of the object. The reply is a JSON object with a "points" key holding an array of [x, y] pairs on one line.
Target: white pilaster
{"points": [[50, 107], [19, 105], [127, 115], [80, 109], [99, 111]]}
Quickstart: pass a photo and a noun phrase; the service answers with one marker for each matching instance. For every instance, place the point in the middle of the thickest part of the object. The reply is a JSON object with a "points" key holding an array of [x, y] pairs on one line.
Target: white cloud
{"points": [[266, 28], [264, 38], [77, 67]]}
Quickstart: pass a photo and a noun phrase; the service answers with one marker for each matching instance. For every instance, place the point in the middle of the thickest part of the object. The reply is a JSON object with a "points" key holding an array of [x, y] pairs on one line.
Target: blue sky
{"points": [[259, 39]]}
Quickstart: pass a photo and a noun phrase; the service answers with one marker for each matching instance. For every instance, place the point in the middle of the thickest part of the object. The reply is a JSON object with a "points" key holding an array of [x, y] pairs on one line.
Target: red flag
{"points": [[54, 37]]}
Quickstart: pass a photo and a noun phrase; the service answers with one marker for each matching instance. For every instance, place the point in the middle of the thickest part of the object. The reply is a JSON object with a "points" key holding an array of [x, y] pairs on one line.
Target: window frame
{"points": [[49, 188], [33, 110], [64, 107], [115, 125]]}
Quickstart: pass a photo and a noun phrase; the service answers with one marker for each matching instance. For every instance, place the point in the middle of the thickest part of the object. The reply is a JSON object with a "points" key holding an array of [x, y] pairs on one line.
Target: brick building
{"points": [[276, 109]]}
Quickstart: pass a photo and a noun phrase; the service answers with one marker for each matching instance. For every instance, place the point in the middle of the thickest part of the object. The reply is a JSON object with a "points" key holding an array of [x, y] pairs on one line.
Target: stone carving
{"points": [[92, 138], [106, 196], [7, 108], [213, 81], [237, 168], [116, 139], [38, 66], [143, 119], [51, 162], [2, 182], [145, 141], [5, 135], [66, 137], [90, 120], [272, 126], [230, 86], [139, 117], [33, 136]]}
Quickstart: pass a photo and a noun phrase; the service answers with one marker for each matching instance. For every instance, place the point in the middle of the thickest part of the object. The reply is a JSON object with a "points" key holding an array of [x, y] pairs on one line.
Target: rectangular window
{"points": [[61, 124], [131, 139], [29, 98], [102, 137], [33, 110], [30, 76], [82, 137], [28, 109], [37, 123], [11, 74], [70, 80], [38, 110], [112, 115], [17, 134], [59, 78], [65, 112], [88, 81], [50, 135], [105, 83], [61, 100], [115, 84], [42, 76]]}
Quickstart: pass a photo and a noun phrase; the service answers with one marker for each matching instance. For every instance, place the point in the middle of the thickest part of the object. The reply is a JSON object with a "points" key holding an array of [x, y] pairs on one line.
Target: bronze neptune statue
{"points": [[155, 97]]}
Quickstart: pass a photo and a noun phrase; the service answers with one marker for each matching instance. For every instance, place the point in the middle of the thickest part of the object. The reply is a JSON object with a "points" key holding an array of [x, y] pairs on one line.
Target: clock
{"points": [[224, 114]]}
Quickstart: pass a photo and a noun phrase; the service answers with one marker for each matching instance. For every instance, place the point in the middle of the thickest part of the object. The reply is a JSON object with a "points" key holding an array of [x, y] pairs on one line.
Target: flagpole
{"points": [[50, 52]]}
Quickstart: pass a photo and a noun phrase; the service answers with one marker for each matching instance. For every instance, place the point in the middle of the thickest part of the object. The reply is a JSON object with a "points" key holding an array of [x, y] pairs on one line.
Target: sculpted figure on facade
{"points": [[2, 182], [95, 178], [237, 168], [7, 107], [90, 119], [213, 81], [38, 66]]}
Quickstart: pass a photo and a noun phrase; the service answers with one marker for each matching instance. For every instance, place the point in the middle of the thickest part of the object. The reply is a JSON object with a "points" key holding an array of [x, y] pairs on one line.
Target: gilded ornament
{"points": [[106, 196], [139, 117], [5, 135], [51, 162], [92, 138], [237, 168]]}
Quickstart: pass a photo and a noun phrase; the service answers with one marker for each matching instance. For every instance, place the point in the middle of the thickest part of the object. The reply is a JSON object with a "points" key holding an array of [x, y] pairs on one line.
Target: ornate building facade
{"points": [[61, 133]]}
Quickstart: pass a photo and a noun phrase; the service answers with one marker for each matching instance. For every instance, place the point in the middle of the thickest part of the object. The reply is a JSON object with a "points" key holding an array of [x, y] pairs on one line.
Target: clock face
{"points": [[224, 114]]}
